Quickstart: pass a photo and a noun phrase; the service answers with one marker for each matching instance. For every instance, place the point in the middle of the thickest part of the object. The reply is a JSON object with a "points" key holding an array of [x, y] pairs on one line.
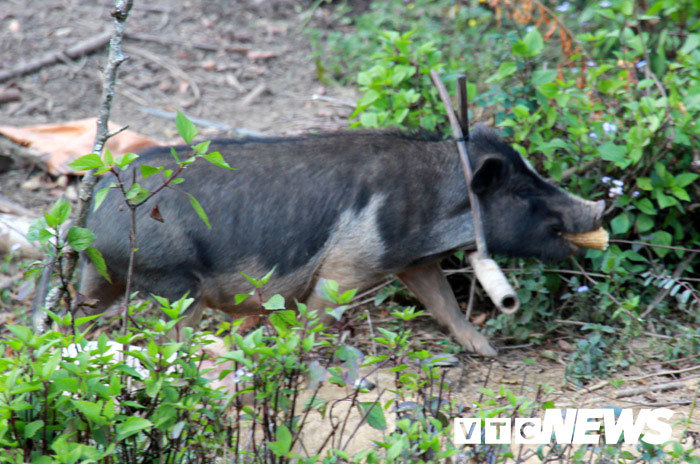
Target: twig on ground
{"points": [[655, 387], [665, 404], [9, 95], [254, 94], [75, 51], [333, 100], [18, 152], [665, 291], [171, 67], [602, 384], [171, 41]]}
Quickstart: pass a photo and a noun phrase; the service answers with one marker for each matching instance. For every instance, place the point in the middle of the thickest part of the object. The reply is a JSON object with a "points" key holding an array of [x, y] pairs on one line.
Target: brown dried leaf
{"points": [[155, 214], [566, 43], [550, 32]]}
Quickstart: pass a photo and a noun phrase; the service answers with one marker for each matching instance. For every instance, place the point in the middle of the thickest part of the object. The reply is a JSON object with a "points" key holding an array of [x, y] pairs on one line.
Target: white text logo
{"points": [[575, 426]]}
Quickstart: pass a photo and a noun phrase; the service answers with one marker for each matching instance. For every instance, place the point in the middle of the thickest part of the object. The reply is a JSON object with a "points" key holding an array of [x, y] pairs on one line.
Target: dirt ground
{"points": [[246, 67]]}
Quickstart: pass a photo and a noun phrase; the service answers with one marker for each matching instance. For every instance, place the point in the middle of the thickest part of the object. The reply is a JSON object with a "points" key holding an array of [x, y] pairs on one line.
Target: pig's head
{"points": [[523, 214]]}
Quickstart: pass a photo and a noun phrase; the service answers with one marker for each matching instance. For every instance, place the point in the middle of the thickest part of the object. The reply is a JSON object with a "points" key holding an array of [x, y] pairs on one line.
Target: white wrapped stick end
{"points": [[495, 283]]}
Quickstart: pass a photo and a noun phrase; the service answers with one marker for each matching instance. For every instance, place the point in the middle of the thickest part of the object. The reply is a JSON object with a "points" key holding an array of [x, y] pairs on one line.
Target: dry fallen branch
{"points": [[171, 41], [602, 384], [655, 387], [75, 51]]}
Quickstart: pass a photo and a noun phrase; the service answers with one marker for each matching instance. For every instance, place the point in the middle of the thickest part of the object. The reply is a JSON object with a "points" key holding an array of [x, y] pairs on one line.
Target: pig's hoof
{"points": [[478, 344]]}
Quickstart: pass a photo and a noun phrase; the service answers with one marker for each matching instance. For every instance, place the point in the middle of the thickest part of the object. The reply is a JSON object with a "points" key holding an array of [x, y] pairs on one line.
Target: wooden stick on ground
{"points": [[75, 51], [654, 388]]}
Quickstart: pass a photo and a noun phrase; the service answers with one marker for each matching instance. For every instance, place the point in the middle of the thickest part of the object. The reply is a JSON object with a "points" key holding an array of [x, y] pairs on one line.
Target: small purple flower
{"points": [[641, 64], [609, 128], [618, 183], [604, 4], [529, 28], [593, 135], [605, 179], [635, 194], [574, 70], [590, 64], [563, 8], [582, 289]]}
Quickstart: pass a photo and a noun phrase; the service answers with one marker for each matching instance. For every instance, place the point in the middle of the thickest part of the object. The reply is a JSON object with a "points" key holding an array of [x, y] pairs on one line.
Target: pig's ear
{"points": [[488, 175]]}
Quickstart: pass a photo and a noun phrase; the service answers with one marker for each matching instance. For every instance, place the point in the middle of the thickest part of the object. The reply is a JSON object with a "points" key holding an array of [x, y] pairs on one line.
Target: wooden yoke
{"points": [[486, 270]]}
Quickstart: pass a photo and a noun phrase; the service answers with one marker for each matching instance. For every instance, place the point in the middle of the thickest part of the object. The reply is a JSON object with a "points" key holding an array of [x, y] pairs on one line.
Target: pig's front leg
{"points": [[430, 286]]}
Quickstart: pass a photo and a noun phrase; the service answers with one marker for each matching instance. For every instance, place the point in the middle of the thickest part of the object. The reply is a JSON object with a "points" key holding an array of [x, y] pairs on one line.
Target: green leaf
{"points": [[37, 230], [201, 148], [147, 171], [108, 159], [664, 200], [646, 206], [136, 194], [98, 261], [80, 238], [375, 417], [100, 196], [283, 441], [543, 76], [644, 183], [661, 237], [216, 159], [275, 302], [51, 365], [680, 193], [87, 162], [615, 153], [644, 223], [32, 428], [90, 409], [368, 98], [185, 128], [60, 212], [282, 320], [132, 426], [504, 70], [620, 224], [685, 179], [199, 210], [125, 160], [369, 119], [691, 44]]}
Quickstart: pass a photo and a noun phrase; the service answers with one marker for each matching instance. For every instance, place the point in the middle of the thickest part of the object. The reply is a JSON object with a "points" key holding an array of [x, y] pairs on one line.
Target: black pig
{"points": [[353, 207]]}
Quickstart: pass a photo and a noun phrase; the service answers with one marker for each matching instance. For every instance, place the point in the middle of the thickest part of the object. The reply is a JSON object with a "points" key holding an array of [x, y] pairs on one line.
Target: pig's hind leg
{"points": [[429, 285]]}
